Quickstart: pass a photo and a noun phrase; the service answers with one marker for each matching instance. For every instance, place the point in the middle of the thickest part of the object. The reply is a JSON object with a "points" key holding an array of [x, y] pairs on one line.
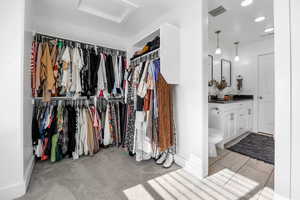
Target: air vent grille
{"points": [[217, 11]]}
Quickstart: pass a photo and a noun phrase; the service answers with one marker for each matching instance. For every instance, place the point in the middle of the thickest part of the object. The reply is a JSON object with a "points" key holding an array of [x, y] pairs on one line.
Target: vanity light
{"points": [[269, 30], [218, 50], [236, 58], [260, 19], [246, 3]]}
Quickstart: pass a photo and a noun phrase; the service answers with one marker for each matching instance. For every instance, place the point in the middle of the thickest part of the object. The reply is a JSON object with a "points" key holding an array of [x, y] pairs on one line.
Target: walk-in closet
{"points": [[105, 96], [151, 100]]}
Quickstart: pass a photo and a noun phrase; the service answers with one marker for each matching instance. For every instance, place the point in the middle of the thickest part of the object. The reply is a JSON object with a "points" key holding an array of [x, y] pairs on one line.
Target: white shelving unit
{"points": [[169, 50]]}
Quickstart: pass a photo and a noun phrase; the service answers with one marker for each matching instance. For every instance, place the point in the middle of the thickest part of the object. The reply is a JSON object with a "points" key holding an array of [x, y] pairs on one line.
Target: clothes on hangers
{"points": [[149, 117], [60, 69], [74, 130], [143, 124]]}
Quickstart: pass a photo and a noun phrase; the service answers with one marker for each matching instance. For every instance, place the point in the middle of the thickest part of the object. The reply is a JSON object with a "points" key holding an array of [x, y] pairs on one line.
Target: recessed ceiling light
{"points": [[260, 19], [246, 3], [269, 30]]}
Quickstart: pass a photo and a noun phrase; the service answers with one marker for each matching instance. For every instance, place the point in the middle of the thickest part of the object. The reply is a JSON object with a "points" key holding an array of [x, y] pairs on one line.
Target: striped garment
{"points": [[33, 67]]}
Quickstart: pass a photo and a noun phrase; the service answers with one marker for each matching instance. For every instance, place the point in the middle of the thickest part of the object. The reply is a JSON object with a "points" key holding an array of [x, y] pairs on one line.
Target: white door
{"points": [[266, 93]]}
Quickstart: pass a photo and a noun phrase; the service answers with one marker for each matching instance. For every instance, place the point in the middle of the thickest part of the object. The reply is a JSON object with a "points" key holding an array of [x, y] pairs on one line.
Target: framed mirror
{"points": [[217, 70], [210, 68], [226, 71]]}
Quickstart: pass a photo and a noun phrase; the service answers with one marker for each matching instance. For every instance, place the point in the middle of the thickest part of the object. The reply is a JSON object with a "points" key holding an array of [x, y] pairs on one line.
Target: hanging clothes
{"points": [[149, 118], [165, 113], [60, 69]]}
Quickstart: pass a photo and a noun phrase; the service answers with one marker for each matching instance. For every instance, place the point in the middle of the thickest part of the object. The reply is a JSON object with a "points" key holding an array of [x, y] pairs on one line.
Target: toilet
{"points": [[215, 136]]}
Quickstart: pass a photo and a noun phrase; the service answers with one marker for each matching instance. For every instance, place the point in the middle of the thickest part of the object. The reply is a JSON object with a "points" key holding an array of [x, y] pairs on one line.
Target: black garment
{"points": [[110, 76], [122, 109], [123, 60], [35, 134], [84, 73], [139, 103], [94, 67], [142, 71], [72, 125], [51, 131], [155, 44]]}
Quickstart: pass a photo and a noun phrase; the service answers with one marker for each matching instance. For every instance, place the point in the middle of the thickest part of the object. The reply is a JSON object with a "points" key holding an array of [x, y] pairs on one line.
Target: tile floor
{"points": [[232, 176], [179, 185], [243, 167]]}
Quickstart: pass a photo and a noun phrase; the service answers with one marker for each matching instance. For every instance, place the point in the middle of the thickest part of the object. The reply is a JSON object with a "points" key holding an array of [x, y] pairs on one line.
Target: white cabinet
{"points": [[230, 121], [233, 119], [169, 50], [242, 121], [169, 53]]}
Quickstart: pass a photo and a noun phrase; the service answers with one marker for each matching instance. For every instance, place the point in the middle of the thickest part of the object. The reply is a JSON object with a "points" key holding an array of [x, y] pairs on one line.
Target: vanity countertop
{"points": [[235, 99], [229, 102]]}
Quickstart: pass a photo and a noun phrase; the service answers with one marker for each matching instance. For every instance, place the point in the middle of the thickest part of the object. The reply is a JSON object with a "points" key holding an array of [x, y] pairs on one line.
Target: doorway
{"points": [[241, 97]]}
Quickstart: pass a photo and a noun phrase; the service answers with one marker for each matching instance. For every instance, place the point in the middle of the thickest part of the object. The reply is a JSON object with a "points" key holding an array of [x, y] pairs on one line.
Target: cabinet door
{"points": [[250, 120], [229, 125], [243, 121]]}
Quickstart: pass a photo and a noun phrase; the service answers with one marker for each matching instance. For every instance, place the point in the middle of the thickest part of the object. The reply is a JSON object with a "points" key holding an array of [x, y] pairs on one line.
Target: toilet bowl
{"points": [[215, 136]]}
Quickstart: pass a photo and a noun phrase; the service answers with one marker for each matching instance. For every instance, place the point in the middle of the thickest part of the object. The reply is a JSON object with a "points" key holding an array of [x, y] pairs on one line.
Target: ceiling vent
{"points": [[217, 11]]}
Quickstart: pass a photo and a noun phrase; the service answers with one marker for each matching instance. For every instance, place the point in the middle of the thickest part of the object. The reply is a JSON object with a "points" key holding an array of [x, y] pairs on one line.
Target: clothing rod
{"points": [[84, 43], [81, 98], [145, 55]]}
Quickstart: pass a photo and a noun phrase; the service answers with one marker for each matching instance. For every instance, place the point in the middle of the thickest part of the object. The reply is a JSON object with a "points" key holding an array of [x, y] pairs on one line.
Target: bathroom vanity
{"points": [[232, 118]]}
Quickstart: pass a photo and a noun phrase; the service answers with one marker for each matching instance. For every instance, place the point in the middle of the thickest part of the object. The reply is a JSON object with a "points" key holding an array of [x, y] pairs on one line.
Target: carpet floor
{"points": [[103, 176]]}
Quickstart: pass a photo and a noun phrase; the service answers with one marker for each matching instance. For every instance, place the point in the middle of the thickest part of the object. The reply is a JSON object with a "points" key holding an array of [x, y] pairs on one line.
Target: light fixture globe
{"points": [[236, 58], [218, 49]]}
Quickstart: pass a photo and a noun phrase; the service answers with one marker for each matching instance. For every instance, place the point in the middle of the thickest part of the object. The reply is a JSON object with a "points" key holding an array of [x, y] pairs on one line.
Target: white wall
{"points": [[248, 64], [282, 99], [227, 53], [70, 31], [190, 96], [248, 68], [28, 158], [295, 44], [11, 76]]}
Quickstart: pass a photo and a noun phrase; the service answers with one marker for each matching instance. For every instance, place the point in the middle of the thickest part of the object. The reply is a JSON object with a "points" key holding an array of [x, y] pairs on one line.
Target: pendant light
{"points": [[236, 58], [218, 50]]}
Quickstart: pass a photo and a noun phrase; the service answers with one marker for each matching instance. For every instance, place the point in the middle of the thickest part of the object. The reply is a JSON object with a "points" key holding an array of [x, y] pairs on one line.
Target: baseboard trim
{"points": [[12, 191], [179, 160], [278, 197], [28, 172], [18, 189]]}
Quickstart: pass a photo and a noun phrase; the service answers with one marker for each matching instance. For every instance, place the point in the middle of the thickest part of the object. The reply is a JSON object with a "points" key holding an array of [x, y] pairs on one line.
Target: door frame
{"points": [[283, 97], [257, 89]]}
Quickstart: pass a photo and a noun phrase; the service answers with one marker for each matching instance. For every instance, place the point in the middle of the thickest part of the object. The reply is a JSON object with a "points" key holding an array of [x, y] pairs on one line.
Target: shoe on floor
{"points": [[162, 158], [169, 161]]}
